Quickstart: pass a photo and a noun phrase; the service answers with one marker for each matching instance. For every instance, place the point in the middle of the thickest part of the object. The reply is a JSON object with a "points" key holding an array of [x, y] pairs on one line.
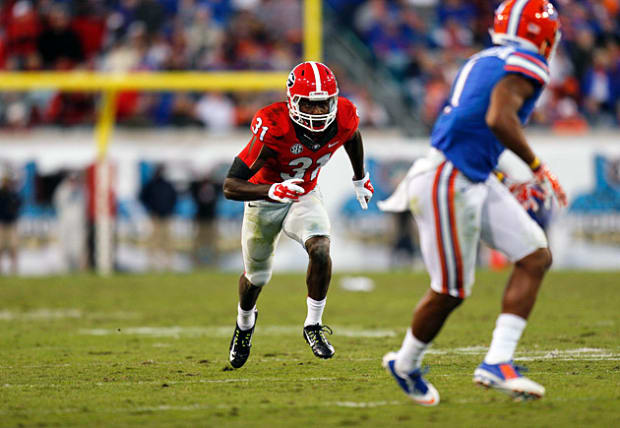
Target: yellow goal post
{"points": [[109, 84]]}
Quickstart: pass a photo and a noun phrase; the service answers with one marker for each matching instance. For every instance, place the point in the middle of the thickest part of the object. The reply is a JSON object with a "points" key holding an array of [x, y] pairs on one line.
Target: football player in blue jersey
{"points": [[456, 199]]}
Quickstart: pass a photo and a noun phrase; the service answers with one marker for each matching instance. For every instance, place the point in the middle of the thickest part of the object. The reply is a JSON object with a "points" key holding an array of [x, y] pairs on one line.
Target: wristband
{"points": [[535, 164]]}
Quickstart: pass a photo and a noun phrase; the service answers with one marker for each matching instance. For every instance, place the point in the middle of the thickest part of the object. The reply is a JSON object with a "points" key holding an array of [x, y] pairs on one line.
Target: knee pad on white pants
{"points": [[258, 279]]}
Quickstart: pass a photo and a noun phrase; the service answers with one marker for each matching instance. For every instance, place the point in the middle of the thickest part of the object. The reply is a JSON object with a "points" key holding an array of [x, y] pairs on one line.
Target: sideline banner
{"points": [[586, 235]]}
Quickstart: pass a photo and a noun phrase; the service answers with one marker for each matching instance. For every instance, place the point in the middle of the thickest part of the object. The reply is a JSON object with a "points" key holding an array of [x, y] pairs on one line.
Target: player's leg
{"points": [[318, 276], [507, 227], [3, 244], [307, 222], [447, 212], [429, 316], [13, 248], [260, 231], [319, 271]]}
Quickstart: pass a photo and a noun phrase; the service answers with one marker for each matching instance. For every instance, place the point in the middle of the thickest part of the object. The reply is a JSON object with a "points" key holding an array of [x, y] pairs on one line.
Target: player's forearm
{"points": [[502, 118], [355, 150], [237, 189], [507, 128]]}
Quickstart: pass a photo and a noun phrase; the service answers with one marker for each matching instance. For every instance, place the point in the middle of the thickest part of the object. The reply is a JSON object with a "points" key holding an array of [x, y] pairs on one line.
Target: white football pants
{"points": [[453, 214], [263, 223]]}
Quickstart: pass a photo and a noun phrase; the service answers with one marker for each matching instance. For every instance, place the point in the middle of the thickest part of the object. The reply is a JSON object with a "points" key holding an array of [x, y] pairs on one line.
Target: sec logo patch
{"points": [[297, 148]]}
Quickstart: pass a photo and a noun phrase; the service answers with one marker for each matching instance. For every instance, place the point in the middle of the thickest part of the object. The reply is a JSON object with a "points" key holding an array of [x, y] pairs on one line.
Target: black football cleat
{"points": [[315, 336], [240, 344]]}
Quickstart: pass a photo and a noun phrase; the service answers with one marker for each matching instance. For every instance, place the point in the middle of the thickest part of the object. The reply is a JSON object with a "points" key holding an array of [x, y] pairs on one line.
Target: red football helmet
{"points": [[527, 24], [315, 82]]}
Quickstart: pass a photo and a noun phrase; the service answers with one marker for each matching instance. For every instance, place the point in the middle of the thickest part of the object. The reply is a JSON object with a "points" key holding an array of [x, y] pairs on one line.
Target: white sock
{"points": [[506, 335], [246, 319], [315, 311], [409, 357]]}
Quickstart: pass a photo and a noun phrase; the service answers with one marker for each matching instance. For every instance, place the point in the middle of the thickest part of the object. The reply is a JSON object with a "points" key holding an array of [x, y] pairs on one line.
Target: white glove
{"points": [[287, 191], [363, 190]]}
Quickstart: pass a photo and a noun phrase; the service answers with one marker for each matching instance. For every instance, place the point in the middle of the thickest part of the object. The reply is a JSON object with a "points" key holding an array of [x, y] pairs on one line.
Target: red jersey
{"points": [[272, 127]]}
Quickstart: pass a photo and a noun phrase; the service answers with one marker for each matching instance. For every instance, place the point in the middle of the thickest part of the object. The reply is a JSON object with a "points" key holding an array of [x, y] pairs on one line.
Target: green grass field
{"points": [[152, 350]]}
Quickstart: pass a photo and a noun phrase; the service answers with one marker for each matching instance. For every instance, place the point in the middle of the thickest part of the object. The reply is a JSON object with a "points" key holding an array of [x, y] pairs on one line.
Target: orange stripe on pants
{"points": [[455, 237], [442, 256]]}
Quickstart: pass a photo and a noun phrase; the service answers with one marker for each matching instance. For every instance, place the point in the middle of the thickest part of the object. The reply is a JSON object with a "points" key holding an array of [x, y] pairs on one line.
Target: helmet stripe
{"points": [[317, 76], [515, 17]]}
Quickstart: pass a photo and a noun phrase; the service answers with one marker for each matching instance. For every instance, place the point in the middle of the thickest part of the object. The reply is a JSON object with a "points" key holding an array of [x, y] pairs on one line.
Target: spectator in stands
{"points": [[159, 197], [128, 54], [58, 44], [203, 37], [581, 50], [597, 87], [216, 111], [411, 38], [89, 23], [205, 193], [21, 24], [10, 203]]}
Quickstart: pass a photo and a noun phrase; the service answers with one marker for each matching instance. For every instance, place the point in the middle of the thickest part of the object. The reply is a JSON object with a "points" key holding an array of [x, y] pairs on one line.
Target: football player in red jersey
{"points": [[276, 175]]}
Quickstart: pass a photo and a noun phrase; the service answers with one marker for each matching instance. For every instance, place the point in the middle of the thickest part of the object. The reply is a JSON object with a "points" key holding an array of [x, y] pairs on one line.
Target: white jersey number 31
{"points": [[304, 163]]}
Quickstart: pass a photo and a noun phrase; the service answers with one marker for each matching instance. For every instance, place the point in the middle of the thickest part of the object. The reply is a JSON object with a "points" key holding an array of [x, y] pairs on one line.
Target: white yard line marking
{"points": [[226, 331], [367, 404], [578, 354], [45, 314]]}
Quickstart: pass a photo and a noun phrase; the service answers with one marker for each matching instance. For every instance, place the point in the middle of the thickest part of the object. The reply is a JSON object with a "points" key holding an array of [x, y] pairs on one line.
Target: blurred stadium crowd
{"points": [[420, 42]]}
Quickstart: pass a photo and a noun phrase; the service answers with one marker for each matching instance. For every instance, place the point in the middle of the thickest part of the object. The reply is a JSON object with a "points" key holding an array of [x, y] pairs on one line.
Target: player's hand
{"points": [[528, 194], [363, 190], [287, 191], [549, 182]]}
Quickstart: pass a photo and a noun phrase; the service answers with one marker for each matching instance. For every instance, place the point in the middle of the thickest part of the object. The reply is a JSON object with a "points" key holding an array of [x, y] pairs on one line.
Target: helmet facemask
{"points": [[310, 121], [554, 47]]}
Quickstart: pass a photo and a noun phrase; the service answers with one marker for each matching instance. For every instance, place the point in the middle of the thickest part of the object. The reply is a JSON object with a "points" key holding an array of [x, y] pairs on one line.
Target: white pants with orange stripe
{"points": [[454, 213]]}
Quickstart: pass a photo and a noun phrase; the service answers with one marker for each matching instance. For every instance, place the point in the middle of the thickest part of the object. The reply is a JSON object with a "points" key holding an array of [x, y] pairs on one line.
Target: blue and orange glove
{"points": [[548, 181], [528, 194]]}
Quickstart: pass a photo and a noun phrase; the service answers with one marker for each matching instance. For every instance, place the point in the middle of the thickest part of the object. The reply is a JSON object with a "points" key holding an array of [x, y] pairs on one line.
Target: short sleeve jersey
{"points": [[461, 132], [272, 127]]}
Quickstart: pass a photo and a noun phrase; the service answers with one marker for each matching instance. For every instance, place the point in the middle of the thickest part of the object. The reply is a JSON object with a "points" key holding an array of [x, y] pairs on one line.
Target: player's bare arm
{"points": [[493, 94], [355, 150], [361, 178], [236, 185], [502, 116]]}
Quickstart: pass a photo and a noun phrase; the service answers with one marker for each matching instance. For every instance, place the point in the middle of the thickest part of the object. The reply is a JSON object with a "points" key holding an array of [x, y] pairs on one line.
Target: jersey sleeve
{"points": [[350, 119], [529, 66], [265, 132], [251, 151]]}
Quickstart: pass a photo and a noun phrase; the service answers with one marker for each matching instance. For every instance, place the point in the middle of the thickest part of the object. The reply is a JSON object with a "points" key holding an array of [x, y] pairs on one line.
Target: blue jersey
{"points": [[461, 132]]}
